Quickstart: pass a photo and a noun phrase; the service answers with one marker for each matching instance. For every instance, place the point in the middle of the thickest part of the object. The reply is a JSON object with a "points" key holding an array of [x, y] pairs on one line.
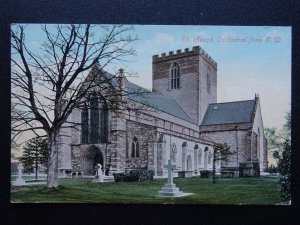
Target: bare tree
{"points": [[221, 153], [48, 84]]}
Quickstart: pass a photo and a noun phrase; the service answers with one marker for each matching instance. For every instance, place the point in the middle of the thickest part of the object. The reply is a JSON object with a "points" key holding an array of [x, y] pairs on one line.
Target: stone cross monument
{"points": [[170, 188], [170, 167]]}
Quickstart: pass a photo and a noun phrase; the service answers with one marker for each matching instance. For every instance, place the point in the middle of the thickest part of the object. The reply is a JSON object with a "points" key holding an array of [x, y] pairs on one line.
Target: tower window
{"points": [[175, 76], [208, 80]]}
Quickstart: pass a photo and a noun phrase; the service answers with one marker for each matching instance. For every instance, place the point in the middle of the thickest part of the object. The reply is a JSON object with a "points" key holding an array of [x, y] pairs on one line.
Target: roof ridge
{"points": [[180, 108], [229, 112], [232, 102], [135, 88]]}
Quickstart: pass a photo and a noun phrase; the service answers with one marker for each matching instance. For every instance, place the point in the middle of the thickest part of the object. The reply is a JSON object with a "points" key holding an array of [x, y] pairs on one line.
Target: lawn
{"points": [[254, 191], [27, 177]]}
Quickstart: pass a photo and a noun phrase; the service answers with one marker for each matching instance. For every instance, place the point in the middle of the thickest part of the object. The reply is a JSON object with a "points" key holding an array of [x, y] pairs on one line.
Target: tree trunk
{"points": [[36, 164], [214, 167], [52, 173]]}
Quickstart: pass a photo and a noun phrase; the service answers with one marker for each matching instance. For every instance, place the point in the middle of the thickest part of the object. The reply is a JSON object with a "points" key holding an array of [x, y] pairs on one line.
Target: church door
{"points": [[92, 157], [96, 160]]}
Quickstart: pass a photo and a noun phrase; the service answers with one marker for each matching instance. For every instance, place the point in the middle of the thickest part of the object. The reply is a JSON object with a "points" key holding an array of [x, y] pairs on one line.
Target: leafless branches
{"points": [[48, 84]]}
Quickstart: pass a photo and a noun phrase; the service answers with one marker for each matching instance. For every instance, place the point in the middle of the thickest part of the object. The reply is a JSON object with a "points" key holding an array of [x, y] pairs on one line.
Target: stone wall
{"points": [[143, 133], [205, 97], [258, 128], [80, 152], [192, 95], [239, 142]]}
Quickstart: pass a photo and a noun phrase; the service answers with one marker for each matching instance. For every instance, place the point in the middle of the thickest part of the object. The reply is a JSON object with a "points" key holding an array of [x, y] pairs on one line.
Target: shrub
{"points": [[205, 173], [119, 177], [285, 190], [145, 175], [134, 175], [284, 165], [272, 169]]}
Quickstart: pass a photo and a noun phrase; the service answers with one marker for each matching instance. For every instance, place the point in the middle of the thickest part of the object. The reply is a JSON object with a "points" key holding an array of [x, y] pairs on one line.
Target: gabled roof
{"points": [[156, 101], [151, 99], [229, 112]]}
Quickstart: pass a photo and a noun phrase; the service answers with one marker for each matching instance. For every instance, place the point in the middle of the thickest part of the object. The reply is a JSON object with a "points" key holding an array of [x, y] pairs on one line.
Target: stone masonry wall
{"points": [[239, 142], [144, 134], [259, 130], [193, 69], [205, 97]]}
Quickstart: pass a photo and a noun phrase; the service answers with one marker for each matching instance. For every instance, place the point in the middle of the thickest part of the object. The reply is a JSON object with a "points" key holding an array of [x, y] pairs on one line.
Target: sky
{"points": [[251, 59]]}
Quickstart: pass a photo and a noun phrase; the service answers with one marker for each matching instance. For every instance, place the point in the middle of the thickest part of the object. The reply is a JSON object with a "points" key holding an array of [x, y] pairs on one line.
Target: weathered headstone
{"points": [[170, 188], [100, 173], [101, 177], [20, 180]]}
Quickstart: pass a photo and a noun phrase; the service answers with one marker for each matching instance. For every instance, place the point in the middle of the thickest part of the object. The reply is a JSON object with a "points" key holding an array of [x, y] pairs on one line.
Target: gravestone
{"points": [[100, 173], [101, 177], [170, 189], [20, 180]]}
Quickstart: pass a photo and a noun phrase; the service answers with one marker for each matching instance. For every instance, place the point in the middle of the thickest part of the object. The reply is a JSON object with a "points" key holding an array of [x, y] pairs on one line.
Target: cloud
{"points": [[232, 34], [154, 44], [272, 56]]}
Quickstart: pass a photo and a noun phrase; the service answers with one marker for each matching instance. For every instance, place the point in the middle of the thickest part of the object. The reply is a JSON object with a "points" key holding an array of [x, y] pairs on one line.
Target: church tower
{"points": [[189, 78]]}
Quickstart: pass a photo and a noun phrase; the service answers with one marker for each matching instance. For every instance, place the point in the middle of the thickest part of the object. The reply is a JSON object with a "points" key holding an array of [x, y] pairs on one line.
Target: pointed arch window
{"points": [[104, 123], [94, 120], [209, 157], [175, 76], [199, 156], [258, 144], [94, 102], [135, 148], [208, 80], [173, 153], [189, 163], [85, 125]]}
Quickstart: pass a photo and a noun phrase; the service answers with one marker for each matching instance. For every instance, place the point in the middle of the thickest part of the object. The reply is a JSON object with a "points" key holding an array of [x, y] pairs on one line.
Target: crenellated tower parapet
{"points": [[189, 77], [173, 55]]}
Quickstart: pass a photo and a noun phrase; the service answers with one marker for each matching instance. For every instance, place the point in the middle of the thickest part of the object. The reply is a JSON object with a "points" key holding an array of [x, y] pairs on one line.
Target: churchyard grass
{"points": [[27, 177], [253, 191]]}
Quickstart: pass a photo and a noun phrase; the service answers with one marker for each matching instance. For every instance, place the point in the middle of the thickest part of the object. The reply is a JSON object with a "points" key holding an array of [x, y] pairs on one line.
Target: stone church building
{"points": [[179, 120]]}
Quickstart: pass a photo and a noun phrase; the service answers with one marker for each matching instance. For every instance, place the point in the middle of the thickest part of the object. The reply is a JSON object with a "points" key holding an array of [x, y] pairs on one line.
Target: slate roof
{"points": [[152, 99], [229, 112]]}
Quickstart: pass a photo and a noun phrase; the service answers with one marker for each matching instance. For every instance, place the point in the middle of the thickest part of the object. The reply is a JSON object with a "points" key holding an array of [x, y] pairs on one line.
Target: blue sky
{"points": [[261, 63]]}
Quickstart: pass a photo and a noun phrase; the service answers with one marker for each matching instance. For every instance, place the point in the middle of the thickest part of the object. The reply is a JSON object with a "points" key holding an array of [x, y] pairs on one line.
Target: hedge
{"points": [[134, 175], [205, 173]]}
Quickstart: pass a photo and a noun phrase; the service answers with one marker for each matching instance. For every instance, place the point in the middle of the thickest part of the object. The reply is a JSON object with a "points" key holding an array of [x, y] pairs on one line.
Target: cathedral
{"points": [[180, 119]]}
